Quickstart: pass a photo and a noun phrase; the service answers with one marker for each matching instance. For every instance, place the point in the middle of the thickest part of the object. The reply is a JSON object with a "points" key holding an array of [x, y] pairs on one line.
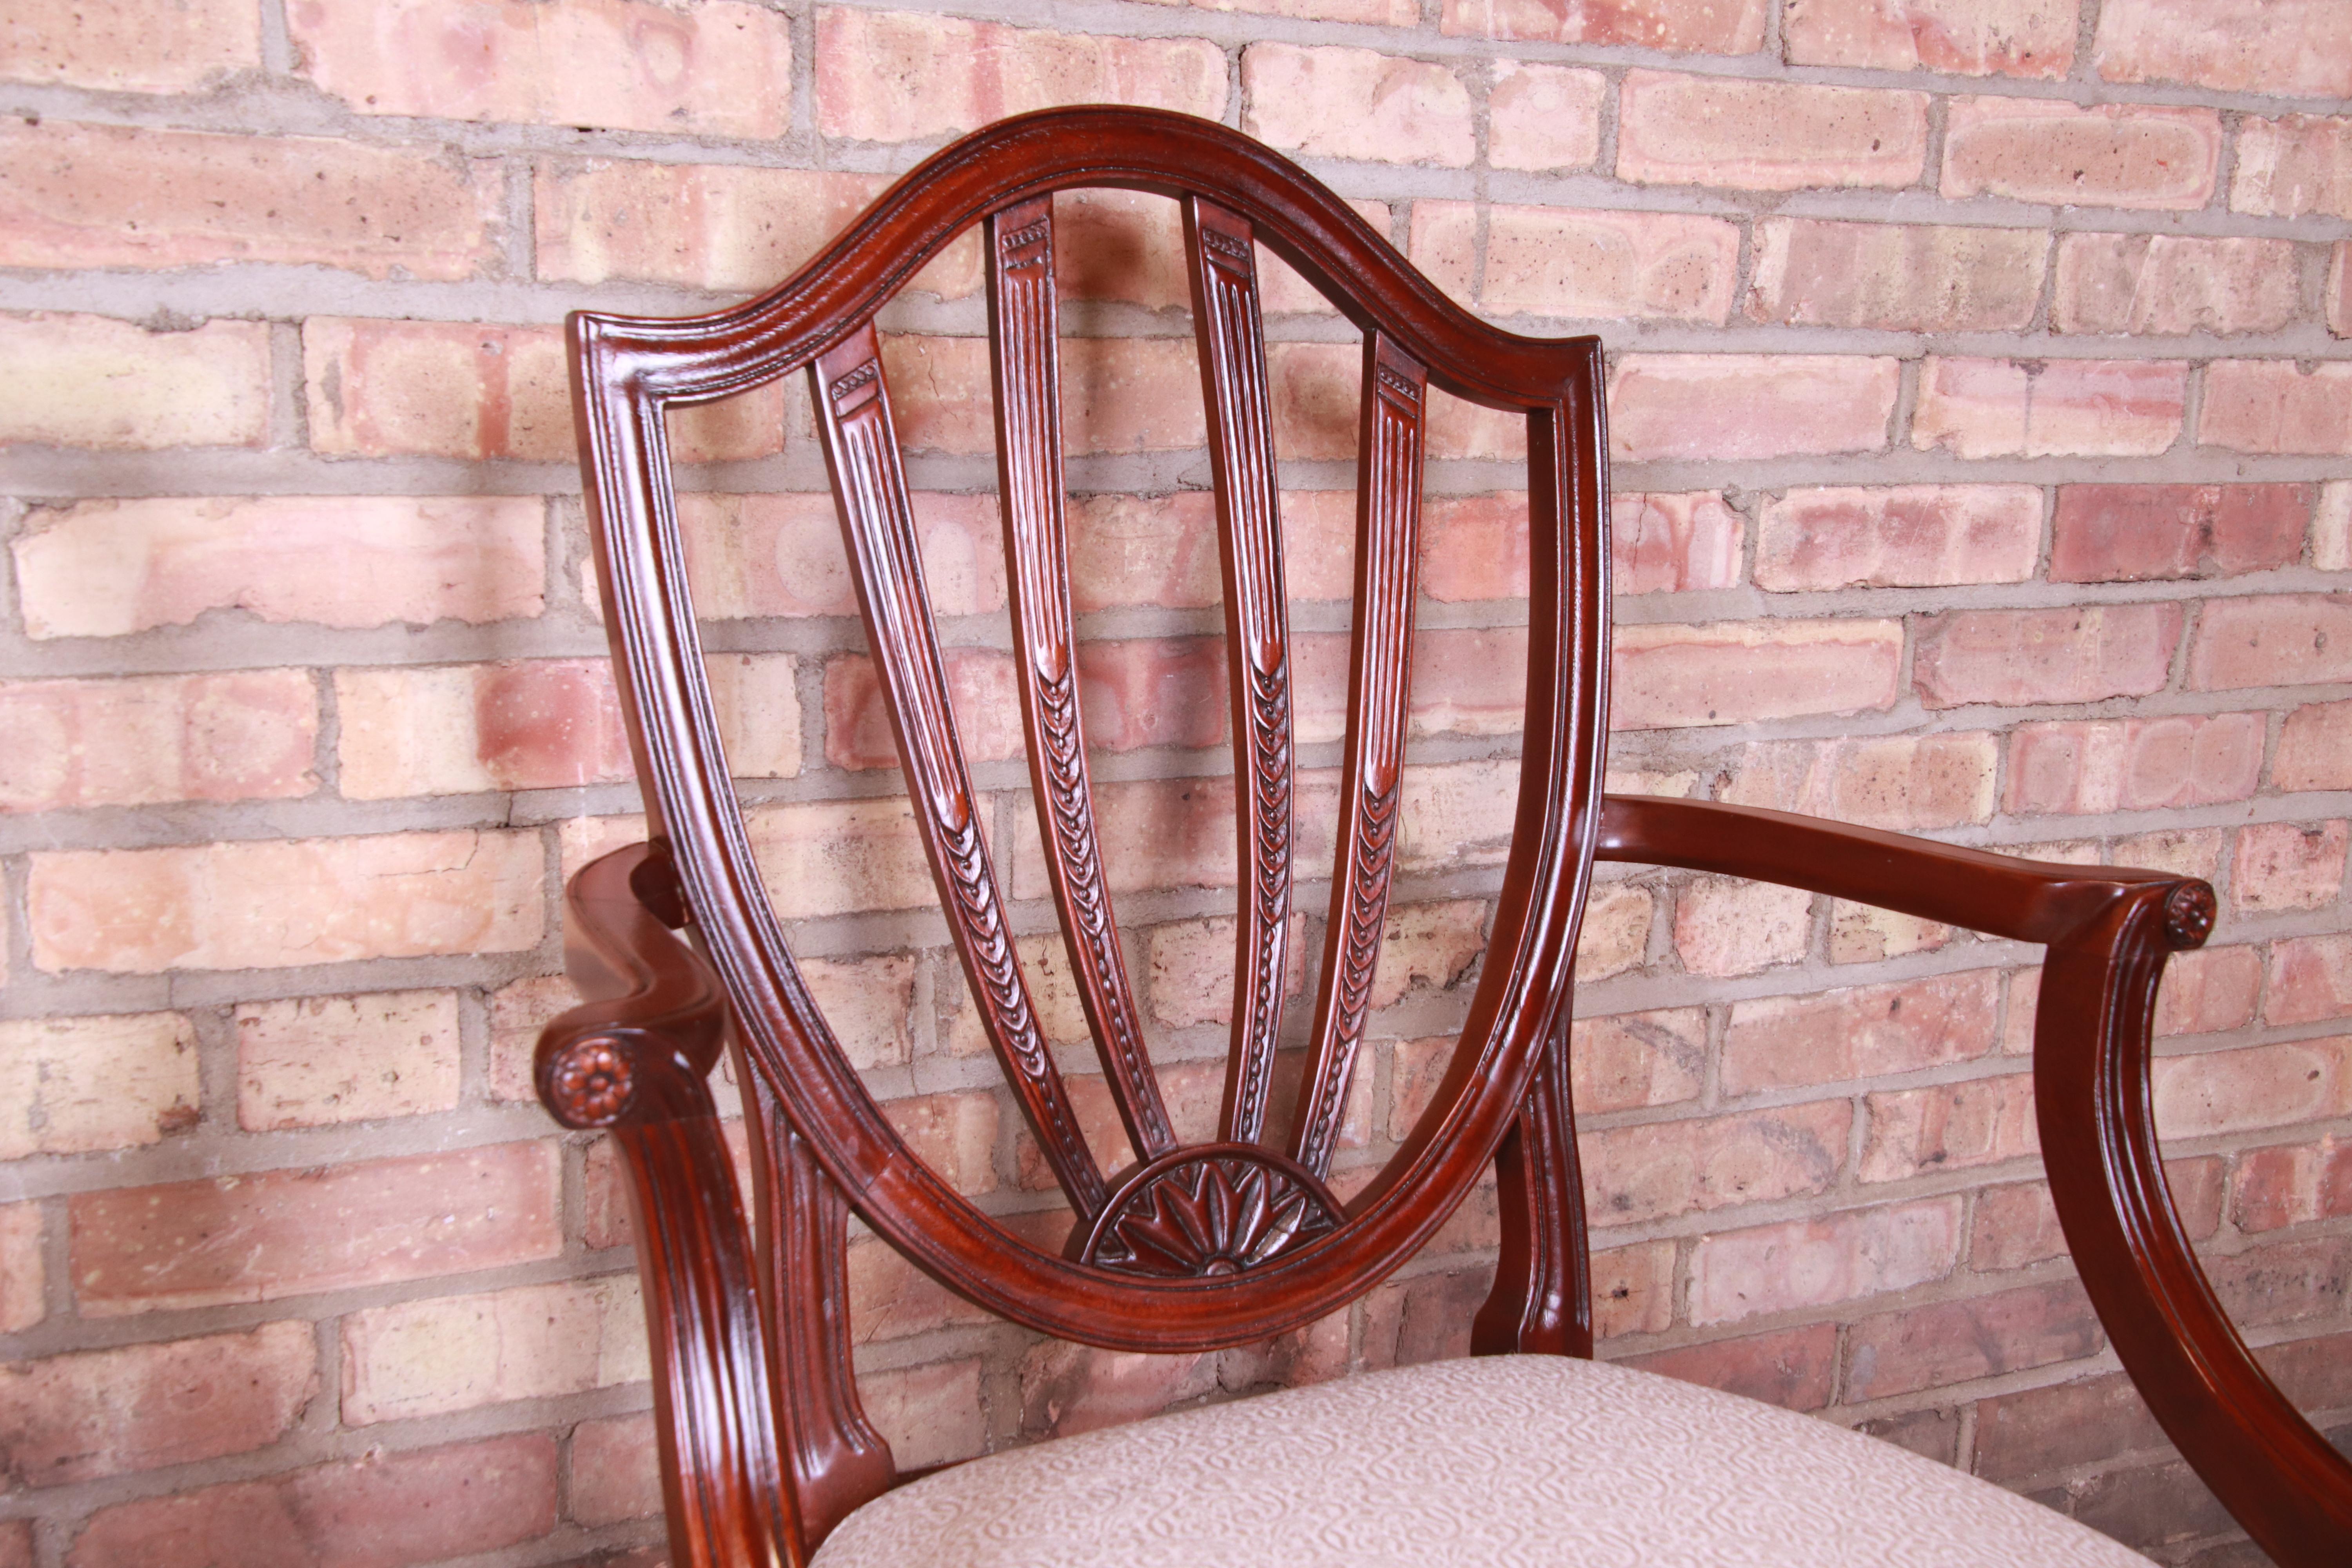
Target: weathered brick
{"points": [[1862, 934], [1561, 262], [2032, 39], [1902, 536], [1793, 1368], [1615, 935], [107, 1413], [954, 1134], [1725, 927], [1720, 407], [1468, 681], [1671, 543], [1956, 1342], [2174, 283], [88, 381], [2253, 1087], [1669, 677], [1948, 1127], [2183, 851], [1633, 1290], [2339, 290], [75, 1085], [1765, 135], [1819, 1263], [385, 1510], [928, 1415], [2310, 978], [830, 858], [2301, 48], [1637, 1174], [72, 744], [2112, 155], [749, 556], [2277, 405], [277, 1233], [2208, 989], [2015, 1226], [107, 568], [1931, 1434], [1191, 965], [2125, 533], [265, 904], [2314, 748], [1634, 1060], [722, 68], [1675, 26], [1776, 1042], [313, 1060], [901, 76], [460, 1353], [1902, 782], [1544, 117], [2331, 523], [2295, 164], [1356, 103], [128, 45], [613, 1471], [2284, 639], [106, 196], [1910, 278], [2154, 1505], [2022, 657], [2284, 1282], [2288, 866], [1993, 409], [2090, 766], [2062, 1426], [2291, 1184], [24, 1275]]}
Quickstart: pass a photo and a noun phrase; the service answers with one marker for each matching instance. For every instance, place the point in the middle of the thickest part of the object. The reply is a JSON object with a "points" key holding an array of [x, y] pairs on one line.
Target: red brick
{"points": [[1684, 543], [1615, 936], [1720, 407], [2331, 525], [1675, 26], [73, 744], [1633, 1290], [2284, 1282], [1766, 136], [386, 1511], [751, 556], [2092, 766], [901, 77], [2182, 851], [928, 1415], [2211, 989], [614, 1471], [2311, 1372], [2314, 748], [2112, 155], [1948, 1127], [1638, 1174], [16, 1543], [107, 568], [1862, 934], [1543, 117], [277, 1233], [2173, 284], [2284, 640], [954, 1134], [1819, 1263], [1356, 103], [104, 195], [1957, 1341], [2127, 533], [1931, 1434], [2301, 48], [1725, 927], [1793, 1368], [107, 1413], [1667, 677], [128, 45], [2339, 290], [2275, 405], [2288, 866], [2022, 657], [1422, 1318], [2291, 1184], [265, 904], [2062, 1426], [722, 68], [310, 1062], [2015, 1226], [1903, 536], [2028, 38], [75, 1085], [87, 381], [2310, 979], [460, 1353], [1993, 408], [1902, 782], [1066, 1389], [2295, 164], [1896, 277], [2253, 1087], [857, 732], [1564, 263], [1638, 1059], [1874, 1030], [23, 1276], [2155, 1504], [1476, 547]]}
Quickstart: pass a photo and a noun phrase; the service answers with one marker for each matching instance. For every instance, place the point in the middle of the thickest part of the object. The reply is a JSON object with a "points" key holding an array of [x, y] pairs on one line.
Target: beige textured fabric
{"points": [[1493, 1463]]}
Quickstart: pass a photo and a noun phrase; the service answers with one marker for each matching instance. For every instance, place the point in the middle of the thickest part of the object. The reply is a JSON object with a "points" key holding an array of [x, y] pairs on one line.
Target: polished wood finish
{"points": [[764, 1447]]}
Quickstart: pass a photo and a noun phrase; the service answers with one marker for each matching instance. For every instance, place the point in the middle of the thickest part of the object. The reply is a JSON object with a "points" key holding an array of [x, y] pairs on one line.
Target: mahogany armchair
{"points": [[1529, 1453]]}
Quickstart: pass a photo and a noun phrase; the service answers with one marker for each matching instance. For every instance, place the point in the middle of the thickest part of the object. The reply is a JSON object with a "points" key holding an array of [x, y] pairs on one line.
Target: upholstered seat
{"points": [[1500, 1462]]}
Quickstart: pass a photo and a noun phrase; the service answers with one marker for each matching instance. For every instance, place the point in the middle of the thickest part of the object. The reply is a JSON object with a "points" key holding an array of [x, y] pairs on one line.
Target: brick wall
{"points": [[1980, 422]]}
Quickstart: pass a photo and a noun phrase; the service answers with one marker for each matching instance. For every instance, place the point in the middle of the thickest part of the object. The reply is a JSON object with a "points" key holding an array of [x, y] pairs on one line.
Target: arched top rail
{"points": [[694, 359]]}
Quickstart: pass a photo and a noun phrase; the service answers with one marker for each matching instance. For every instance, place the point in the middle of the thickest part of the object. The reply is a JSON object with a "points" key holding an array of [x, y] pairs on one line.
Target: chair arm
{"points": [[2108, 930], [636, 1059]]}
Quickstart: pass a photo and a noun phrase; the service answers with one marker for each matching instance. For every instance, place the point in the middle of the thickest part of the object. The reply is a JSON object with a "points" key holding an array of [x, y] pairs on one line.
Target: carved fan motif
{"points": [[1215, 1210]]}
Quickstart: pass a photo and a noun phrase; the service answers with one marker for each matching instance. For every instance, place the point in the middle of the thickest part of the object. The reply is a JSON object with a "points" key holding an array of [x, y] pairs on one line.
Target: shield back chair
{"points": [[1529, 1452]]}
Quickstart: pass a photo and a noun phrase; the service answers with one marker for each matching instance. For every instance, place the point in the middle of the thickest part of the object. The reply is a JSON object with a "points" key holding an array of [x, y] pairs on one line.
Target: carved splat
{"points": [[1221, 1208], [869, 484], [1388, 537], [1030, 490], [1221, 261]]}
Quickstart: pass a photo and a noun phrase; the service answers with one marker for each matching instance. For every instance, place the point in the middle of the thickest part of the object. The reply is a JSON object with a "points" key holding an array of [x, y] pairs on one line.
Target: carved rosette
{"points": [[1214, 1210], [590, 1082], [2189, 914]]}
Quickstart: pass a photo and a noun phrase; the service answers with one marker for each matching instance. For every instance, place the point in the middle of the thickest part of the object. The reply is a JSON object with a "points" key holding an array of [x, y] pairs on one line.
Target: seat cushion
{"points": [[1494, 1462]]}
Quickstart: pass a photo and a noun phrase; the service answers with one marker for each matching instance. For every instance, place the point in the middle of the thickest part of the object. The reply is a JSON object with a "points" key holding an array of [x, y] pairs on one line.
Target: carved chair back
{"points": [[1193, 1247]]}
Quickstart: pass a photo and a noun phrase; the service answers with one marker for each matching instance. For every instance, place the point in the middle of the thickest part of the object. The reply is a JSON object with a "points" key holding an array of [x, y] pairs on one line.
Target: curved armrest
{"points": [[636, 1059], [2108, 930]]}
